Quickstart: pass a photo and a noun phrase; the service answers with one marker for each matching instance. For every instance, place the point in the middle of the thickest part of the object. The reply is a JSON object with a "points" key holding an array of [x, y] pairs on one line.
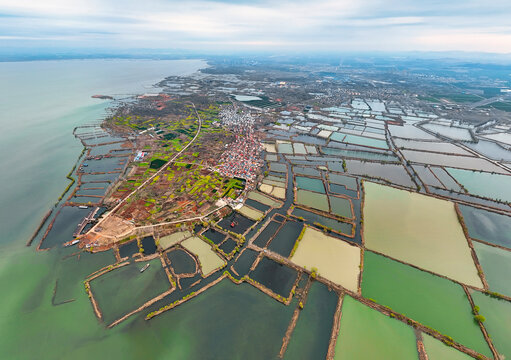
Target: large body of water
{"points": [[41, 103]]}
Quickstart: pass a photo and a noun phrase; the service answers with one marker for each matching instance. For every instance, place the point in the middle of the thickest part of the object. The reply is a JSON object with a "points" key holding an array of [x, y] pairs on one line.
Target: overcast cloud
{"points": [[316, 25]]}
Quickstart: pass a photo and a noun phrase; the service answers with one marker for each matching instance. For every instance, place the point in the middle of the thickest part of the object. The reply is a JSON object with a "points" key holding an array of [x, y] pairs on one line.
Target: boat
{"points": [[83, 207], [71, 243], [145, 267]]}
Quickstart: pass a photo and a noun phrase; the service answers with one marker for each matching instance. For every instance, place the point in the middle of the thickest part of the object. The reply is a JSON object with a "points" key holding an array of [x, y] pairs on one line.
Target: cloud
{"points": [[323, 25]]}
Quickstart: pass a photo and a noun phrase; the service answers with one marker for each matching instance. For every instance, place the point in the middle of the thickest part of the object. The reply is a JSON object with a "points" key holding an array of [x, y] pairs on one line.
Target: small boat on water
{"points": [[145, 267], [83, 207], [71, 243]]}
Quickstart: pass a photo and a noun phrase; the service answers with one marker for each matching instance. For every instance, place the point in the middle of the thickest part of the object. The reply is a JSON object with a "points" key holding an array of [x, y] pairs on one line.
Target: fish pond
{"points": [[181, 262], [208, 259], [398, 222], [431, 300], [367, 334], [265, 235], [315, 318], [311, 184], [334, 259], [285, 239], [493, 186], [312, 199], [498, 317], [125, 289], [437, 350], [496, 264], [336, 225], [488, 226], [275, 276], [64, 226]]}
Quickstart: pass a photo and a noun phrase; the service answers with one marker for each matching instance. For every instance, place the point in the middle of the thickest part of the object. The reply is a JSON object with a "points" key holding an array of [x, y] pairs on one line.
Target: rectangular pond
{"points": [[336, 225], [488, 226], [311, 184], [312, 199], [335, 259], [367, 334], [431, 300], [417, 229], [493, 186], [285, 239], [275, 276]]}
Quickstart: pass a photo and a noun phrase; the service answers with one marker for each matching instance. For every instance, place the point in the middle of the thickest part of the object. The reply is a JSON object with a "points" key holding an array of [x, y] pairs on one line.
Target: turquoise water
{"points": [[493, 186], [496, 265]]}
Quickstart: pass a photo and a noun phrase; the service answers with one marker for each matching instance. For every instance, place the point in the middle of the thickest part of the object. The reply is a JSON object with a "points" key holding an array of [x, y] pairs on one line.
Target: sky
{"points": [[278, 25]]}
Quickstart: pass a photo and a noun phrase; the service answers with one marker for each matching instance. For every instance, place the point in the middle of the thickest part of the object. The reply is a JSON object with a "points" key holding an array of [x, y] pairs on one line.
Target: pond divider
{"points": [[186, 298], [41, 224], [480, 323], [95, 275], [294, 318], [471, 246], [48, 229], [335, 328], [421, 350], [55, 294]]}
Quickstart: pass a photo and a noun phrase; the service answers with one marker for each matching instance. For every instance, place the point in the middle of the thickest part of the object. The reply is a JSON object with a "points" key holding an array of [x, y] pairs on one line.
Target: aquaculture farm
{"points": [[376, 221]]}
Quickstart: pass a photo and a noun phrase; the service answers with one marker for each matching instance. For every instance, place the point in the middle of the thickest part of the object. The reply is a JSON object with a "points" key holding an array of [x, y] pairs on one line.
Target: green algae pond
{"points": [[496, 264], [316, 318], [124, 289], [251, 213], [437, 350], [431, 300], [487, 226], [254, 195], [366, 334], [170, 240], [498, 319]]}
